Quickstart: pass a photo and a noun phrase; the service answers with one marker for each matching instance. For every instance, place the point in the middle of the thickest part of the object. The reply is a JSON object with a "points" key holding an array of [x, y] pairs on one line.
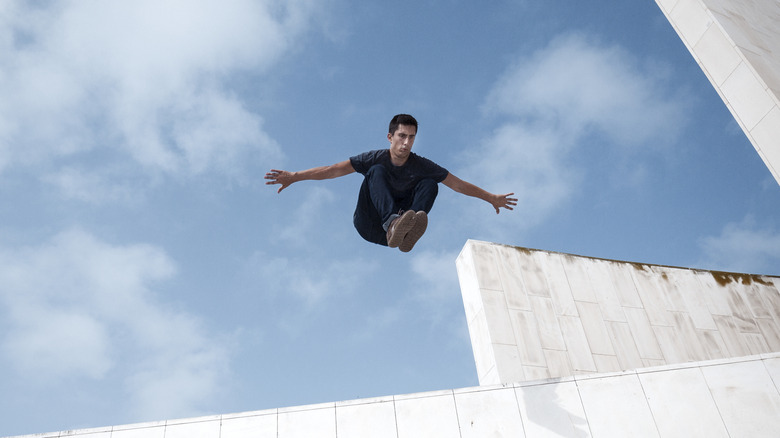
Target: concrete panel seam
{"points": [[519, 411], [395, 419], [776, 382], [457, 416], [649, 408], [582, 404]]}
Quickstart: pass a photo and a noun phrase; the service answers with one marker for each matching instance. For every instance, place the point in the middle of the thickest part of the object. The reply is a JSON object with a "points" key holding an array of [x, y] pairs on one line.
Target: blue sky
{"points": [[147, 273]]}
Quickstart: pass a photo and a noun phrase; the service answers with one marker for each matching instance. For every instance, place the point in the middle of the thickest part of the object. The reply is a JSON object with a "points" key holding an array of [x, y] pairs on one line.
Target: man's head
{"points": [[403, 130], [402, 119]]}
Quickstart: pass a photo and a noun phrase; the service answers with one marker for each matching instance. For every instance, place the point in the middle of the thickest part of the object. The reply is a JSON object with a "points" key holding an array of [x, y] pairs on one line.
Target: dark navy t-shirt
{"points": [[404, 178]]}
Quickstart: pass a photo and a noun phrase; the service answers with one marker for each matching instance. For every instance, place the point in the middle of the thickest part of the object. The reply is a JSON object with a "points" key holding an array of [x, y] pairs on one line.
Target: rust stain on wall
{"points": [[638, 266], [724, 278]]}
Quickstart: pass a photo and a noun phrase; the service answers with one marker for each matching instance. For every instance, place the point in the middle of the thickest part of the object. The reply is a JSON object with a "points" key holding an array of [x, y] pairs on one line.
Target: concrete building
{"points": [[566, 346], [536, 314], [572, 346], [737, 45]]}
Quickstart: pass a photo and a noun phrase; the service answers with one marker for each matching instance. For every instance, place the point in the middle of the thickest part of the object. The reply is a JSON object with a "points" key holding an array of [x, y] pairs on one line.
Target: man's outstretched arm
{"points": [[286, 178], [465, 187]]}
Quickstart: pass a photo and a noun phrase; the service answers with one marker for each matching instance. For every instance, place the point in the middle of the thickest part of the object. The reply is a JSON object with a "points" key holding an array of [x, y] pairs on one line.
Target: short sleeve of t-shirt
{"points": [[429, 169], [362, 162]]}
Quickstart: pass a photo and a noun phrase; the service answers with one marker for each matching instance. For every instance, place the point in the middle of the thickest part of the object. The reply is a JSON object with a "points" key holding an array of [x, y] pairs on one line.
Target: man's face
{"points": [[401, 142]]}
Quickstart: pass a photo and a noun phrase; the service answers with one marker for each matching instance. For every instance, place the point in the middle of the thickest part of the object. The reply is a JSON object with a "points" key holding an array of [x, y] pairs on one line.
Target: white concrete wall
{"points": [[537, 314], [728, 398], [572, 315], [737, 45]]}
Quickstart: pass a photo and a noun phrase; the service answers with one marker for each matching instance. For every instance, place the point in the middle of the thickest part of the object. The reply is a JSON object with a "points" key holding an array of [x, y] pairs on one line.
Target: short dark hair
{"points": [[402, 119]]}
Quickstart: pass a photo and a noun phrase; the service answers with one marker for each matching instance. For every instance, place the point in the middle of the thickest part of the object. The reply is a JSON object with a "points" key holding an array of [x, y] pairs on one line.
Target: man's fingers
{"points": [[273, 174], [505, 206]]}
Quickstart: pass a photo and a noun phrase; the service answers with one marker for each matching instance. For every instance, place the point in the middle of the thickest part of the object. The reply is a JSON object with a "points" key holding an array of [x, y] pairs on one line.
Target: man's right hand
{"points": [[282, 177], [286, 178]]}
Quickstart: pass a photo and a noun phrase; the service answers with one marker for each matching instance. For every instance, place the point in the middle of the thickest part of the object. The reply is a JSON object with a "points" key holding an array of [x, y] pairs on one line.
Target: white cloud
{"points": [[436, 278], [742, 247], [95, 185], [55, 343], [181, 372], [80, 308], [308, 281], [529, 161], [306, 287], [575, 85], [552, 105], [308, 218], [436, 290], [141, 81]]}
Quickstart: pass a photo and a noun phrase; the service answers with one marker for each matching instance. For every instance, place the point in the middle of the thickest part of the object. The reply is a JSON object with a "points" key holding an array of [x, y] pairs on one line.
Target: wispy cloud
{"points": [[576, 84], [308, 220], [531, 161], [80, 308], [435, 278], [742, 247], [306, 282], [435, 291], [138, 84], [573, 96], [96, 186]]}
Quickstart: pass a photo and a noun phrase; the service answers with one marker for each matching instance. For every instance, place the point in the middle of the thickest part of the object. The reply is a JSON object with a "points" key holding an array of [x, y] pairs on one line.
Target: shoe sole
{"points": [[411, 238], [405, 224]]}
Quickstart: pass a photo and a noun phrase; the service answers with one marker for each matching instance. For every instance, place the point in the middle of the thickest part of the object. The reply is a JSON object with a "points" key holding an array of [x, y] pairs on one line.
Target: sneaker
{"points": [[420, 225], [398, 229]]}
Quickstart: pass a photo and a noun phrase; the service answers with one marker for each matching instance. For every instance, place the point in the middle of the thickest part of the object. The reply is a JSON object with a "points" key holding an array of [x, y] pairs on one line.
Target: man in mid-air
{"points": [[398, 190]]}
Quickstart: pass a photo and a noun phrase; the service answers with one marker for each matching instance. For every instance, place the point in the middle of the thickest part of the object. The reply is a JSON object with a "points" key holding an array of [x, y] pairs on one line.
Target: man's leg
{"points": [[424, 195], [380, 194], [368, 221], [376, 208], [422, 201]]}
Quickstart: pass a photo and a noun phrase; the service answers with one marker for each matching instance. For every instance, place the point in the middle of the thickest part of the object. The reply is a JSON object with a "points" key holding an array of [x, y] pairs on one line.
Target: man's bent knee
{"points": [[377, 170], [424, 195], [429, 186]]}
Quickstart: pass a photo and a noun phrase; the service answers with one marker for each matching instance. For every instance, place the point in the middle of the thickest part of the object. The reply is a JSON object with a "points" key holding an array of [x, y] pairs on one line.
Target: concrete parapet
{"points": [[537, 314], [725, 398], [579, 347]]}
